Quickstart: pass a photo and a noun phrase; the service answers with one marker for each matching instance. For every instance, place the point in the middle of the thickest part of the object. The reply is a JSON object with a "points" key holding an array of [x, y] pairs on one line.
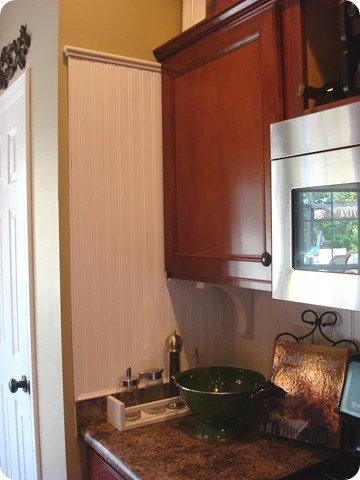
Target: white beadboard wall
{"points": [[123, 308]]}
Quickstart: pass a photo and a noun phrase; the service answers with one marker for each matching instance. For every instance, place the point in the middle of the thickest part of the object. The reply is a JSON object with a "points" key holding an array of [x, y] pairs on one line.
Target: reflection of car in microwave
{"points": [[353, 258], [350, 258]]}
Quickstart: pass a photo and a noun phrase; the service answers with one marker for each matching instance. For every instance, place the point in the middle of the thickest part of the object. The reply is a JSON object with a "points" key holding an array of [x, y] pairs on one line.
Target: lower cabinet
{"points": [[99, 469]]}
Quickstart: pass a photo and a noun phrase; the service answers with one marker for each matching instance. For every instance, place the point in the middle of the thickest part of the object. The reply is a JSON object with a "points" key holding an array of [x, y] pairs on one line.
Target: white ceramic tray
{"points": [[116, 413]]}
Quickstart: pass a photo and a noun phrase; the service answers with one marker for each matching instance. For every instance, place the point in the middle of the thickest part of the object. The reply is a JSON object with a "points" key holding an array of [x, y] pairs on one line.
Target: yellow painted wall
{"points": [[131, 28]]}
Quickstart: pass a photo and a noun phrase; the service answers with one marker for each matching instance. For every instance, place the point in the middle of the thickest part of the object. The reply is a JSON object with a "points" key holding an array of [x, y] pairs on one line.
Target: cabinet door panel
{"points": [[217, 156], [220, 95]]}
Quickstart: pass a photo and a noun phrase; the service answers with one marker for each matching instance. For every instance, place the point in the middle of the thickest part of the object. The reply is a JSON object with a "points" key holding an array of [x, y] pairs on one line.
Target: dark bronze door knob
{"points": [[14, 385], [266, 259]]}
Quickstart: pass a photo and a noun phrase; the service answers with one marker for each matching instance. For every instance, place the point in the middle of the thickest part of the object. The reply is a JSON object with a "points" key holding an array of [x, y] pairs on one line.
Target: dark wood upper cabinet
{"points": [[222, 88], [225, 80]]}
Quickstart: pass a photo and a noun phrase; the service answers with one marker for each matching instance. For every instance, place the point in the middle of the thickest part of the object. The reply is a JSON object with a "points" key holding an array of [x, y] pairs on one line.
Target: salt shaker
{"points": [[154, 389], [129, 394]]}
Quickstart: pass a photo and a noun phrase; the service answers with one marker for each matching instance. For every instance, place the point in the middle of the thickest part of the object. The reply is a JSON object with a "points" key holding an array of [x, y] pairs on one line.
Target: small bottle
{"points": [[129, 394], [196, 360], [154, 389]]}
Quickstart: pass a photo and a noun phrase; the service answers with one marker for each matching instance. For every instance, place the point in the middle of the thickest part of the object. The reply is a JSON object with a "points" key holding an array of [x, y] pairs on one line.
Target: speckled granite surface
{"points": [[170, 451]]}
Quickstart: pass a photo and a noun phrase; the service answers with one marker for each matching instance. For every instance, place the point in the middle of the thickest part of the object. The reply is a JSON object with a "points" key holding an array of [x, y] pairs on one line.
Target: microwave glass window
{"points": [[325, 225]]}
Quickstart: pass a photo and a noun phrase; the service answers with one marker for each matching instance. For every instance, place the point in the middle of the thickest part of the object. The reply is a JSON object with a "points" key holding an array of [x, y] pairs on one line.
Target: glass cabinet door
{"points": [[325, 226]]}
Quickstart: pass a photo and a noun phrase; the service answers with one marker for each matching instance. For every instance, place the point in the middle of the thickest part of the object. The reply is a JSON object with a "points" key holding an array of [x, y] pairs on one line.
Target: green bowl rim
{"points": [[217, 393]]}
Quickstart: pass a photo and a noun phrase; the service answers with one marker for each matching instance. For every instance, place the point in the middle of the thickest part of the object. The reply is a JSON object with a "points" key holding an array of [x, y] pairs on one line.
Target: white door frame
{"points": [[34, 389]]}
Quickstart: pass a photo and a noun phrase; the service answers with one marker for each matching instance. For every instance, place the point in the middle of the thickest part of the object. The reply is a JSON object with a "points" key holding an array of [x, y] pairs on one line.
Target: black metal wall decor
{"points": [[317, 322], [13, 56]]}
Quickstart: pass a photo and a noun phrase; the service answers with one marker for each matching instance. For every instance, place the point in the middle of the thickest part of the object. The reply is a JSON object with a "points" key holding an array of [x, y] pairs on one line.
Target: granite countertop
{"points": [[170, 451]]}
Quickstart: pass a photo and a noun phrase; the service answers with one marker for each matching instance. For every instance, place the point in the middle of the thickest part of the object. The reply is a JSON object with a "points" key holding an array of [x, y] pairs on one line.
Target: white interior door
{"points": [[17, 432]]}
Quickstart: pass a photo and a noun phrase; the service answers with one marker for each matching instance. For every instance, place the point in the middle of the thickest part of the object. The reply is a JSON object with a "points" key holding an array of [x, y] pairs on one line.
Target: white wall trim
{"points": [[84, 54], [193, 12], [34, 346], [9, 96]]}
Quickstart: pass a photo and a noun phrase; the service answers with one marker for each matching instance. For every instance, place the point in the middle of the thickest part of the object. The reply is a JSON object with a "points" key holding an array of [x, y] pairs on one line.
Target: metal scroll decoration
{"points": [[310, 317], [13, 56]]}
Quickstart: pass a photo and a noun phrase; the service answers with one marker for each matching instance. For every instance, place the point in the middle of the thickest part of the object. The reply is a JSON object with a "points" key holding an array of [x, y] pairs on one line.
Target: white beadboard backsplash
{"points": [[123, 307]]}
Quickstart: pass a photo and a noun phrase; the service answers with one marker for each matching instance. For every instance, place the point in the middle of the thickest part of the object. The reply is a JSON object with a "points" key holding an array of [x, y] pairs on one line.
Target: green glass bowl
{"points": [[218, 397]]}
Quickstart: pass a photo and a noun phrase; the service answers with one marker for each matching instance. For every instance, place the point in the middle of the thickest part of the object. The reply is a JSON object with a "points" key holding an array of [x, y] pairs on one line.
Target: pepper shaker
{"points": [[174, 344]]}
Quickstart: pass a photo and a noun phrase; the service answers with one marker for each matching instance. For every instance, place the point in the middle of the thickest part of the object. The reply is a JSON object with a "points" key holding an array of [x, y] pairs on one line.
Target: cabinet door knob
{"points": [[266, 259]]}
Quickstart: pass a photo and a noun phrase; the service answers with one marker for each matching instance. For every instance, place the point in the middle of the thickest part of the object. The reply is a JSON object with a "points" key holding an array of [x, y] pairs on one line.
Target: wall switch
{"points": [[200, 285]]}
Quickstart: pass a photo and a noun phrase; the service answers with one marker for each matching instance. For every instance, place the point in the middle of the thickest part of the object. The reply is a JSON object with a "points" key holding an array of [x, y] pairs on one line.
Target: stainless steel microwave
{"points": [[315, 192]]}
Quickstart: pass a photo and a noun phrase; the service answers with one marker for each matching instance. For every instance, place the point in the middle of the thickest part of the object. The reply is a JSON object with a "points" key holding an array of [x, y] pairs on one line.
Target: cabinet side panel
{"points": [[293, 48]]}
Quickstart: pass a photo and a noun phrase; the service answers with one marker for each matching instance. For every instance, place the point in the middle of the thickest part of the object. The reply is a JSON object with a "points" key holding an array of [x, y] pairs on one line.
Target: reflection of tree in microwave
{"points": [[333, 214]]}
